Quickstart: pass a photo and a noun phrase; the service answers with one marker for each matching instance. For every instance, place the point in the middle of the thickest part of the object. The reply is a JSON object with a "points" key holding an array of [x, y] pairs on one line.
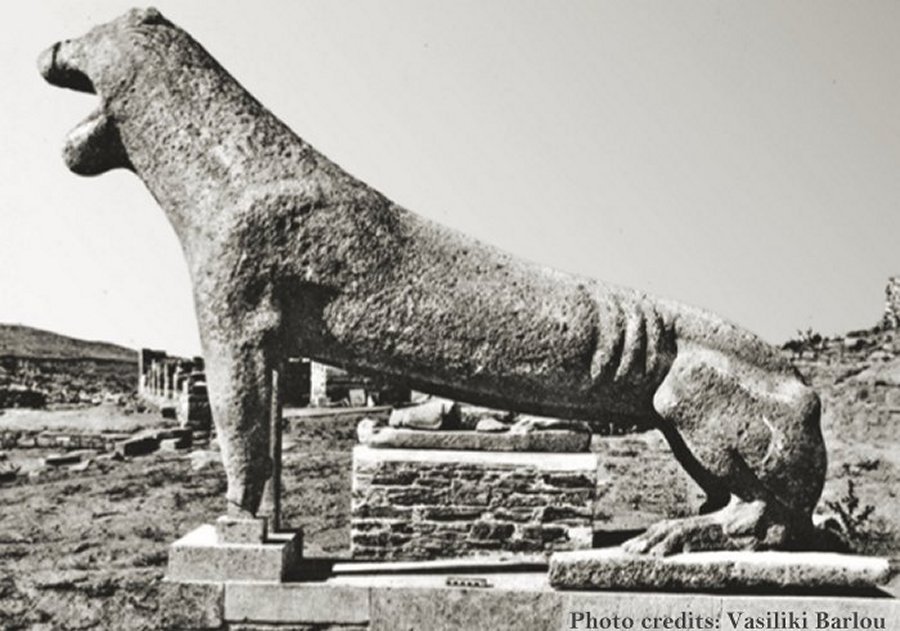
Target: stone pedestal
{"points": [[241, 530], [428, 504], [521, 600], [203, 556], [539, 441]]}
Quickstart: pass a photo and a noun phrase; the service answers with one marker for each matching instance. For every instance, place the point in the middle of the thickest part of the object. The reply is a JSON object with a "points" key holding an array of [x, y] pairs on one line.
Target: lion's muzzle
{"points": [[94, 146], [56, 67]]}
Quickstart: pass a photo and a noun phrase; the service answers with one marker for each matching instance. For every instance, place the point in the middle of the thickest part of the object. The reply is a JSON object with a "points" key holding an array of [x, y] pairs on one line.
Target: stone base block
{"points": [[175, 444], [137, 446], [241, 530], [523, 600], [200, 557], [193, 411], [612, 568]]}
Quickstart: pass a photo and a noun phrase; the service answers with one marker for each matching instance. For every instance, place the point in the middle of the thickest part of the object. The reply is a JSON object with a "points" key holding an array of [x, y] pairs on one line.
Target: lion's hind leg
{"points": [[750, 437]]}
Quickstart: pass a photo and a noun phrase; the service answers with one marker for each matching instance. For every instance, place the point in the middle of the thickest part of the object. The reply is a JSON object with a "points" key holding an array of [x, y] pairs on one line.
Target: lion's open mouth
{"points": [[88, 144], [93, 146]]}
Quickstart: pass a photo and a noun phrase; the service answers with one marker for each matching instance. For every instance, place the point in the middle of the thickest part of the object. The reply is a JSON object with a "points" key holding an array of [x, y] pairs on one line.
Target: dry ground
{"points": [[81, 550], [101, 418]]}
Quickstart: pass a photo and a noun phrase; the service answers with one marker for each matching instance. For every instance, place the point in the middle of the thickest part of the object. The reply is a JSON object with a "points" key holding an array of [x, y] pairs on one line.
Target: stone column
{"points": [[143, 366], [177, 380], [318, 380], [170, 380]]}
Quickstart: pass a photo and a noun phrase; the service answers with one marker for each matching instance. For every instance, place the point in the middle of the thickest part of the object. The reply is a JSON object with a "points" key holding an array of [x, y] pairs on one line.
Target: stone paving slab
{"points": [[367, 457], [613, 568], [297, 603], [544, 441]]}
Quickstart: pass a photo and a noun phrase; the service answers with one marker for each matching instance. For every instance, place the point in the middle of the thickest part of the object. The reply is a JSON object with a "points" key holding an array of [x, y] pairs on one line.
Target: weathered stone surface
{"points": [[491, 426], [138, 446], [173, 433], [523, 601], [526, 423], [71, 457], [613, 568], [297, 603], [175, 444], [366, 428], [291, 255], [240, 529], [199, 556], [431, 414], [400, 608], [193, 410], [470, 415], [557, 441]]}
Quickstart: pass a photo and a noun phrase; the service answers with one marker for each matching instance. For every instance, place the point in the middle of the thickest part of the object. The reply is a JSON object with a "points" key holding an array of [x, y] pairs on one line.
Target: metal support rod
{"points": [[271, 504]]}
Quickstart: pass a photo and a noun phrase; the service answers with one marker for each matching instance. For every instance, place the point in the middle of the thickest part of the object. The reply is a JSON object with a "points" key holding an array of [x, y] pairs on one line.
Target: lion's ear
{"points": [[150, 15]]}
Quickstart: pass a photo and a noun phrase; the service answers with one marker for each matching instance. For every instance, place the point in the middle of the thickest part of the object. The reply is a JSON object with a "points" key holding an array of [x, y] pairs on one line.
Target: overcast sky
{"points": [[741, 156]]}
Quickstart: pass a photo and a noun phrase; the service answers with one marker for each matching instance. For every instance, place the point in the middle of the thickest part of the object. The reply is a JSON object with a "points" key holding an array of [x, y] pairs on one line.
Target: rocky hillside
{"points": [[858, 378], [40, 367], [17, 340]]}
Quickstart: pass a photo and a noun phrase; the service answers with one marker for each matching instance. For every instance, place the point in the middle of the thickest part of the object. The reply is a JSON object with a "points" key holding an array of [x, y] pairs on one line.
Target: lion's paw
{"points": [[672, 536]]}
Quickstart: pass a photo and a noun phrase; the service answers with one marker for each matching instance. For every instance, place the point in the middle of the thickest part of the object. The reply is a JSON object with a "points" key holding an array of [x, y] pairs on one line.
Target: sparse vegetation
{"points": [[851, 516], [809, 338], [855, 522]]}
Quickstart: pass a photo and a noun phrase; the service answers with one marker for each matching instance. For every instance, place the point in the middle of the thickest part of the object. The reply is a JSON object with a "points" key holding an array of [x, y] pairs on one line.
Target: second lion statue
{"points": [[289, 255]]}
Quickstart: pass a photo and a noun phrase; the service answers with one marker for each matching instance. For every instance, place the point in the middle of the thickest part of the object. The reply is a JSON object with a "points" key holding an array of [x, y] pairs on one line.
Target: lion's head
{"points": [[102, 62]]}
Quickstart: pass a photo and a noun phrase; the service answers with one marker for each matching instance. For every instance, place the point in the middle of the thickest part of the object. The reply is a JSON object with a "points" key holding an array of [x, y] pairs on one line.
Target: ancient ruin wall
{"points": [[892, 303]]}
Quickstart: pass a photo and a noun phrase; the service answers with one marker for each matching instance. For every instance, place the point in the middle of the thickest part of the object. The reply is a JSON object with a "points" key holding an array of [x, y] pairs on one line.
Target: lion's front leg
{"points": [[750, 437], [239, 378]]}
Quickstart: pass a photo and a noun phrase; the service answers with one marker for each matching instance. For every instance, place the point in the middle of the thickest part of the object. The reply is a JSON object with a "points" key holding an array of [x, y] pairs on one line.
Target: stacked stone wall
{"points": [[59, 440], [413, 505]]}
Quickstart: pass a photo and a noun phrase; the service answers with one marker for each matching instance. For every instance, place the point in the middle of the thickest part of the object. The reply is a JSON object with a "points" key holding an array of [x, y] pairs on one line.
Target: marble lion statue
{"points": [[290, 255]]}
